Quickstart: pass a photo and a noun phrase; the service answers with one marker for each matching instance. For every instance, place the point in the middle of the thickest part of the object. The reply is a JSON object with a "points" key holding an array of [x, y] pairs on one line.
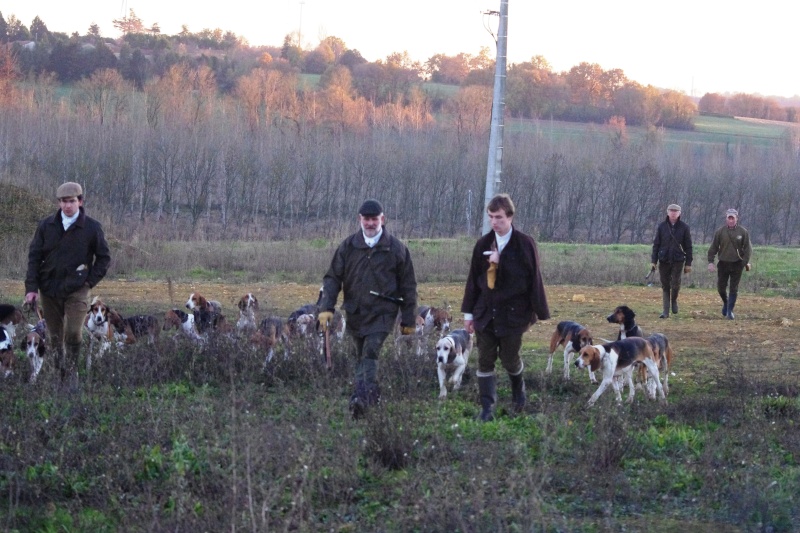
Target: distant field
{"points": [[708, 130]]}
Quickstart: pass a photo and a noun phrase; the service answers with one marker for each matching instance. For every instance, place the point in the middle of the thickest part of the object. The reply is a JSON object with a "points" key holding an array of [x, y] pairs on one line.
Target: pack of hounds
{"points": [[203, 318]]}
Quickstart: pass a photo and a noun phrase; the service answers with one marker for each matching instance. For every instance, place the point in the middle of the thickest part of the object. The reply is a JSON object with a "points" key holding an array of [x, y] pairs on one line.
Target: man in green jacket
{"points": [[731, 244], [68, 255], [375, 272]]}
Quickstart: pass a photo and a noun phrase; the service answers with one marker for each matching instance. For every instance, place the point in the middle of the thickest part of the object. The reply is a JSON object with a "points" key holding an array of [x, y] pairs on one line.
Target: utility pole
{"points": [[494, 167], [300, 28]]}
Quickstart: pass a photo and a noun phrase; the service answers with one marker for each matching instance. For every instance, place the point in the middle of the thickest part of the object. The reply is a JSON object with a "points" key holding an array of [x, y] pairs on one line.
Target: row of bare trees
{"points": [[272, 161]]}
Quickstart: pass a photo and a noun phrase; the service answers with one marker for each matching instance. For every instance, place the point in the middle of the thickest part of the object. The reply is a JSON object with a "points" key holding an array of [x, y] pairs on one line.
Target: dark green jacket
{"points": [[54, 256], [359, 271], [730, 245]]}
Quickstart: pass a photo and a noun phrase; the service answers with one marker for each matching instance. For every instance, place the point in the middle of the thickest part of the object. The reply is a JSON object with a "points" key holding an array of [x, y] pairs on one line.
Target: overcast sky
{"points": [[688, 45]]}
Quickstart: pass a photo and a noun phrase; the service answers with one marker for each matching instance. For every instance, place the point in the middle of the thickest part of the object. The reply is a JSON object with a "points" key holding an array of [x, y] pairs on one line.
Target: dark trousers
{"points": [[491, 347], [670, 274], [729, 272], [365, 350]]}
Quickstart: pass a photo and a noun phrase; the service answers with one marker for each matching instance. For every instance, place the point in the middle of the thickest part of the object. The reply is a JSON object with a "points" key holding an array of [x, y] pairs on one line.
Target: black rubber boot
{"points": [[487, 386], [518, 398], [674, 301], [731, 305], [664, 304], [724, 304], [359, 401]]}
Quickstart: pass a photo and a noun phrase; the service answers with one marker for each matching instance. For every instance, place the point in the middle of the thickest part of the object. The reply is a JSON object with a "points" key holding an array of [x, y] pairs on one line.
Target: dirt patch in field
{"points": [[765, 333]]}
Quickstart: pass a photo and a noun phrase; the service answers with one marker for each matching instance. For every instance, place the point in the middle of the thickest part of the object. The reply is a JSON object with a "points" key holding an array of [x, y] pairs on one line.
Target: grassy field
{"points": [[708, 130], [176, 436]]}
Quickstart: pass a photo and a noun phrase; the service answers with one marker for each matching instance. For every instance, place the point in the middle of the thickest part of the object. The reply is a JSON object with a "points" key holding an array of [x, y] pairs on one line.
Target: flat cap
{"points": [[68, 190], [732, 213], [370, 208], [673, 207]]}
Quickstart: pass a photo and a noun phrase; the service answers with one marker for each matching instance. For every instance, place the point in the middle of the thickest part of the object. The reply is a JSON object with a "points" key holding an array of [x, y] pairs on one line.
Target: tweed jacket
{"points": [[518, 298]]}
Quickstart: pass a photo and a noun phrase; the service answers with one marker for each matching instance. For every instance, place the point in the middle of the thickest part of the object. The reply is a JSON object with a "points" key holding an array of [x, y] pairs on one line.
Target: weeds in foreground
{"points": [[177, 436]]}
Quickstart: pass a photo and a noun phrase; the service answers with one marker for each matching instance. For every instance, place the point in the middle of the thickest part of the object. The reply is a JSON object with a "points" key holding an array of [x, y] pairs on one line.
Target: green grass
{"points": [[709, 130]]}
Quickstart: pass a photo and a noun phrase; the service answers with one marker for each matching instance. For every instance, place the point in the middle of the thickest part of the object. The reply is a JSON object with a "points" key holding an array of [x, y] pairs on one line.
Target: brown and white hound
{"points": [[572, 336], [617, 359], [248, 305]]}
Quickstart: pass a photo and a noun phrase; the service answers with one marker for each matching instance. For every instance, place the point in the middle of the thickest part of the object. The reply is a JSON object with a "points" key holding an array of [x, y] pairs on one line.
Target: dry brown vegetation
{"points": [[181, 437]]}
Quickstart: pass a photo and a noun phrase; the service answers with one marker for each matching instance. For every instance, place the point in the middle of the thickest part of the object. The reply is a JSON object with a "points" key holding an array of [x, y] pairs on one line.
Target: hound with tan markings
{"points": [[452, 352], [248, 305], [572, 336], [617, 359]]}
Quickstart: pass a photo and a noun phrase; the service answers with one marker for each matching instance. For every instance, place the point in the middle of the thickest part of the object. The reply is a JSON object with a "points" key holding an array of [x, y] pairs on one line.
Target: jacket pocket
{"points": [[75, 280]]}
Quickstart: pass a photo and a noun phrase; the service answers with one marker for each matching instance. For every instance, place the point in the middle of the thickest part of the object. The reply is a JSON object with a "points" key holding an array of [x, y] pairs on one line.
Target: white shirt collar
{"points": [[68, 221], [502, 241], [374, 240]]}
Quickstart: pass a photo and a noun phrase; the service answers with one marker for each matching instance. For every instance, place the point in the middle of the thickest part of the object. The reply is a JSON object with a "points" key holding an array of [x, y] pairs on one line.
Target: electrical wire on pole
{"points": [[494, 166]]}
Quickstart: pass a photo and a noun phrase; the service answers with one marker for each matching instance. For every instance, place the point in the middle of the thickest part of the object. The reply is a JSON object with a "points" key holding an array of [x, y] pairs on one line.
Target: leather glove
{"points": [[325, 319], [408, 330], [687, 269], [652, 266], [747, 267], [491, 275]]}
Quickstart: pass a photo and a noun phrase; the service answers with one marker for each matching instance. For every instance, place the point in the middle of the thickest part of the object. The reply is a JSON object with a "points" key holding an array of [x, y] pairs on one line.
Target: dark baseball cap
{"points": [[370, 208]]}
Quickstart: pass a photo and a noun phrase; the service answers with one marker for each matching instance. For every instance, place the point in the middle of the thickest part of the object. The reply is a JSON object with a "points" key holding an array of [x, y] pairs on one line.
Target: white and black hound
{"points": [[7, 356], [35, 346], [663, 354], [10, 317], [617, 359], [452, 352], [572, 336], [183, 322], [625, 317]]}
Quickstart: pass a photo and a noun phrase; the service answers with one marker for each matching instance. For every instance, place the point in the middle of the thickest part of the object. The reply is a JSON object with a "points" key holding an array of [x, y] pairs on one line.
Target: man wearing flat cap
{"points": [[374, 271], [66, 258], [672, 251], [731, 246]]}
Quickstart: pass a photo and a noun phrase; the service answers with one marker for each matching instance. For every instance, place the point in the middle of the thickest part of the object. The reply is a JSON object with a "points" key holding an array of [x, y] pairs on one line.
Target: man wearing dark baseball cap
{"points": [[66, 258], [376, 275], [731, 245]]}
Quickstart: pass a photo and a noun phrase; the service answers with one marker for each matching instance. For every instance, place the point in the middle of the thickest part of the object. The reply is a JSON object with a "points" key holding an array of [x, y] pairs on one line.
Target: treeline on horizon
{"points": [[585, 93], [275, 159]]}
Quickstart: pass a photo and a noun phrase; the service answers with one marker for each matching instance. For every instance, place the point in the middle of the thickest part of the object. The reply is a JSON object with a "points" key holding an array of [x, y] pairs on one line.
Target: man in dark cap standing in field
{"points": [[67, 256], [672, 250], [731, 244], [504, 295], [375, 273]]}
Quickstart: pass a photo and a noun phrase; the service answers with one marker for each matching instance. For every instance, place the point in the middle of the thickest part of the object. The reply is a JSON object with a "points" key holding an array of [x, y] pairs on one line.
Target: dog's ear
{"points": [[596, 358]]}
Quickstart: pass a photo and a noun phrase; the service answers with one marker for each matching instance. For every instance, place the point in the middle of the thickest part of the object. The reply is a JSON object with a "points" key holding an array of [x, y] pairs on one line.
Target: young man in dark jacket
{"points": [[375, 272], [672, 250], [67, 256], [503, 296]]}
